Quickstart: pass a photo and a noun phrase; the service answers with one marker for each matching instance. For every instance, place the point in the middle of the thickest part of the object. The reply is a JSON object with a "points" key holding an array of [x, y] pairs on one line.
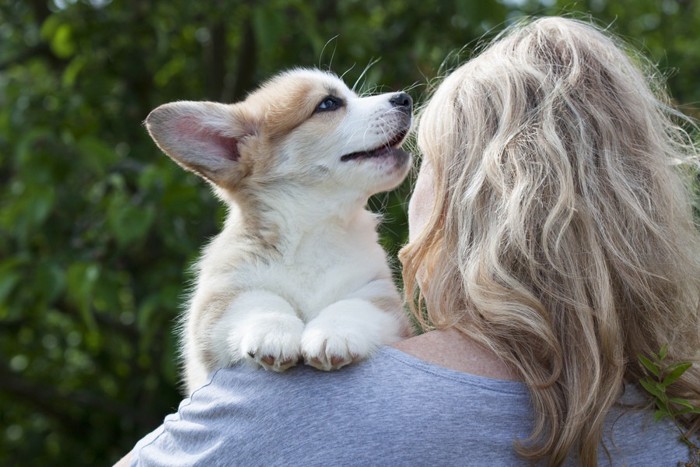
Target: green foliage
{"points": [[97, 228], [660, 375]]}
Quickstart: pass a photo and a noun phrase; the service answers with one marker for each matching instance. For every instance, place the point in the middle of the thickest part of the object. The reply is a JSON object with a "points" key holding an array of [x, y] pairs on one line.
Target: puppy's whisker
{"points": [[320, 58], [347, 71], [372, 62]]}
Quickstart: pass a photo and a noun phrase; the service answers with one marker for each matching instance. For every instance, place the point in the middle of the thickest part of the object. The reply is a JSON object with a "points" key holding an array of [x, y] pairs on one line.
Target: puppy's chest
{"points": [[313, 278]]}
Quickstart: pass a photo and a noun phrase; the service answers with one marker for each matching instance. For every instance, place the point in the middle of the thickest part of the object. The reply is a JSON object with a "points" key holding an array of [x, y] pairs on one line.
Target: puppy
{"points": [[297, 272]]}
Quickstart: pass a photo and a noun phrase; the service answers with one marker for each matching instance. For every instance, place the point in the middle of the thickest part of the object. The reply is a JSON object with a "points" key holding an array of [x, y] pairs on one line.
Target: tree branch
{"points": [[216, 56], [41, 397], [64, 407], [247, 60], [41, 11], [39, 50]]}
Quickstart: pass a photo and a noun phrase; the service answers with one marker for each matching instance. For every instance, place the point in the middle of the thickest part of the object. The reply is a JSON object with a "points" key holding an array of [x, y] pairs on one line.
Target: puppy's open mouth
{"points": [[383, 150]]}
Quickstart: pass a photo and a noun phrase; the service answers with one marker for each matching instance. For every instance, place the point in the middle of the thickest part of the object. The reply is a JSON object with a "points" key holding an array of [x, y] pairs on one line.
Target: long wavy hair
{"points": [[562, 234]]}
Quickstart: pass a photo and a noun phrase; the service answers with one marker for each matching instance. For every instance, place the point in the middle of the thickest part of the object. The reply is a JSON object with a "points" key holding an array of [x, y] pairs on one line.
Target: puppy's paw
{"points": [[270, 340], [346, 331], [326, 346], [327, 349]]}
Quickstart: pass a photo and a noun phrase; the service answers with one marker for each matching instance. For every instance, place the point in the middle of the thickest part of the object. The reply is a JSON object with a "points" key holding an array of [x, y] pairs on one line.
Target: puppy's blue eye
{"points": [[329, 103]]}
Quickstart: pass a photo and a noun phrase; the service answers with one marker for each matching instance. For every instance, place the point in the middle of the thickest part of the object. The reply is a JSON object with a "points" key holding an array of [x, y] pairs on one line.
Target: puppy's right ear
{"points": [[203, 137]]}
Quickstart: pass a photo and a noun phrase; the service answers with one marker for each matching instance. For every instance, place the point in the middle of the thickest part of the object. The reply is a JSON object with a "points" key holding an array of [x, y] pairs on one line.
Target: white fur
{"points": [[321, 289]]}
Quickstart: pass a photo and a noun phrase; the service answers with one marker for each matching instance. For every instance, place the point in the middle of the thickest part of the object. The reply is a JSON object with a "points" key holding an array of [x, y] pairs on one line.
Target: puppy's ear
{"points": [[203, 137]]}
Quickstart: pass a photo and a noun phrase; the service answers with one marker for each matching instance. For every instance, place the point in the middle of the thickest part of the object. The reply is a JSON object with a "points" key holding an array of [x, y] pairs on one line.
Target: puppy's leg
{"points": [[351, 329], [263, 328]]}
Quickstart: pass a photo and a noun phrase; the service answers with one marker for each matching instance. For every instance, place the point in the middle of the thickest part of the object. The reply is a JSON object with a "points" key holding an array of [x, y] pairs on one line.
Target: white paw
{"points": [[271, 340], [330, 349], [344, 332]]}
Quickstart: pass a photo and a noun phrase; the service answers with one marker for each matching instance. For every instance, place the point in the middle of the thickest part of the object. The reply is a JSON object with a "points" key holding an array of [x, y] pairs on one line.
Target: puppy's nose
{"points": [[402, 100]]}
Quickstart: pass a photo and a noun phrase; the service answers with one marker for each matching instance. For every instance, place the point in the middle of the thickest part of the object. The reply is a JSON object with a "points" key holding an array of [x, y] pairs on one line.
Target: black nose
{"points": [[402, 100]]}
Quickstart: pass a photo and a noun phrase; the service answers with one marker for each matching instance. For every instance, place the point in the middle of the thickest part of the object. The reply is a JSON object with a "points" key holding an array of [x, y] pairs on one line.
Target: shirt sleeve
{"points": [[192, 436]]}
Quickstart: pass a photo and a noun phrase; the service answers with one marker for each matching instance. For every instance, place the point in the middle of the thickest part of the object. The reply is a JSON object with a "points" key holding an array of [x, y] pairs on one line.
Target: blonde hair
{"points": [[562, 235]]}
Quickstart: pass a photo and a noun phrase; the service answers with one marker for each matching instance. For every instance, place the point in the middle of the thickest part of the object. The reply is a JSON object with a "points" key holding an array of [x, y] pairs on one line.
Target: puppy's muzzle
{"points": [[402, 102]]}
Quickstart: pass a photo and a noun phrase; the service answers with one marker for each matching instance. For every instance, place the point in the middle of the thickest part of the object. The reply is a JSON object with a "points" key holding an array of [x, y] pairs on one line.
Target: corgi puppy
{"points": [[297, 272]]}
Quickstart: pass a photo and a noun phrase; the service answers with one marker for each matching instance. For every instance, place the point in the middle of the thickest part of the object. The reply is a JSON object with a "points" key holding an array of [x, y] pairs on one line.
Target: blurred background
{"points": [[98, 228]]}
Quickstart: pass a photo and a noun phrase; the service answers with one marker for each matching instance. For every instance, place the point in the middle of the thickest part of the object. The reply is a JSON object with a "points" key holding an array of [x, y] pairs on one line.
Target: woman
{"points": [[560, 228], [551, 243]]}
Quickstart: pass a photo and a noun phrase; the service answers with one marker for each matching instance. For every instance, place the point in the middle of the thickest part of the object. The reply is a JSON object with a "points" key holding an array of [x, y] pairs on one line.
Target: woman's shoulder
{"points": [[438, 361], [392, 407], [390, 370]]}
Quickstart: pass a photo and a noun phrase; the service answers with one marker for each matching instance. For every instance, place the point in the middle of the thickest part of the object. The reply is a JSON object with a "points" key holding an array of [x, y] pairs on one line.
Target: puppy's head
{"points": [[303, 129]]}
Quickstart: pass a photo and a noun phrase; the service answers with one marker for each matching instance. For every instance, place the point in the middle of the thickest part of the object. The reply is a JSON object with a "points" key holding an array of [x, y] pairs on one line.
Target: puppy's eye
{"points": [[329, 103]]}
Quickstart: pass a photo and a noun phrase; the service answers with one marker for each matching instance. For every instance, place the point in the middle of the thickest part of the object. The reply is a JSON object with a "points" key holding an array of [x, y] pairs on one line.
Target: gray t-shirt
{"points": [[392, 409]]}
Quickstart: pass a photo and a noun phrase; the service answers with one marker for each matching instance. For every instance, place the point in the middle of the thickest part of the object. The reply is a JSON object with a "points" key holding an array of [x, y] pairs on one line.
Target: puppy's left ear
{"points": [[203, 137]]}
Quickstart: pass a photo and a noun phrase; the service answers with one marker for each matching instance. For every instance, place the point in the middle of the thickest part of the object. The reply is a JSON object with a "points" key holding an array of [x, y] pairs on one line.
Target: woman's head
{"points": [[557, 226]]}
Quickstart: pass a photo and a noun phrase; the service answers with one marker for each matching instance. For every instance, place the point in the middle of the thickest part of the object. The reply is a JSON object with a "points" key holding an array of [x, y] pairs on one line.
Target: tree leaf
{"points": [[8, 282], [81, 278]]}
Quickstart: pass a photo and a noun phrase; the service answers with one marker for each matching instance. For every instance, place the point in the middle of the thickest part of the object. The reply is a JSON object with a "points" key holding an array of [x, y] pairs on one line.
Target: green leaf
{"points": [[682, 402], [171, 69], [654, 389], [675, 372], [149, 308], [8, 282], [81, 278], [649, 365], [62, 43], [127, 221], [96, 156], [50, 281], [25, 147], [663, 352], [39, 204], [70, 75], [660, 414], [10, 276]]}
